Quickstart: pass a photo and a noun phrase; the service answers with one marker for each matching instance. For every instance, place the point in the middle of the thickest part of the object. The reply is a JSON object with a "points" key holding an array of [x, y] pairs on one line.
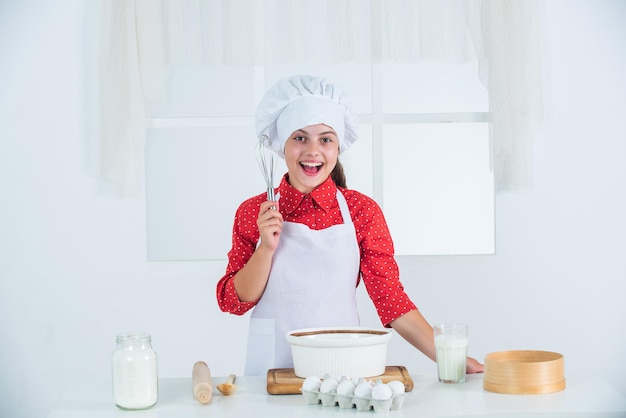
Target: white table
{"points": [[582, 398]]}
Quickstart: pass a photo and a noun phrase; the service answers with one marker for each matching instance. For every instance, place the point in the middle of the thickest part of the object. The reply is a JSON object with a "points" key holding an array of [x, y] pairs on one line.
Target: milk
{"points": [[451, 357], [135, 380]]}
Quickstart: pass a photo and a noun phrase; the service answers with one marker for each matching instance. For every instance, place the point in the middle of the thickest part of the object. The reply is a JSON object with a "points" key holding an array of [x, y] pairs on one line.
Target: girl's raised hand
{"points": [[270, 223]]}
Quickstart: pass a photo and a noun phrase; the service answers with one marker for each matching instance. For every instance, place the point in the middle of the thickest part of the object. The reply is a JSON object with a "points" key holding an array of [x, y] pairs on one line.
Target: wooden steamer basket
{"points": [[524, 372]]}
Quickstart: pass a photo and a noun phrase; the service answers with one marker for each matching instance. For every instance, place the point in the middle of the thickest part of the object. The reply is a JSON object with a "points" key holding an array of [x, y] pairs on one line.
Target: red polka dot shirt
{"points": [[319, 210]]}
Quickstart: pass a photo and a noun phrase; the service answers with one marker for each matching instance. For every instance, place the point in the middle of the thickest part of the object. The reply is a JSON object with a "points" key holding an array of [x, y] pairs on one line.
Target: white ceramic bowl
{"points": [[339, 351]]}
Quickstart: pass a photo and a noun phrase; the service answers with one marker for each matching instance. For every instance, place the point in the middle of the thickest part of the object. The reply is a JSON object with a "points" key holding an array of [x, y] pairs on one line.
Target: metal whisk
{"points": [[265, 159]]}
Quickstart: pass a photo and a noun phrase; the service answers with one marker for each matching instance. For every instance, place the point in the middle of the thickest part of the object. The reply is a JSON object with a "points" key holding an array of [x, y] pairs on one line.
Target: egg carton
{"points": [[314, 397]]}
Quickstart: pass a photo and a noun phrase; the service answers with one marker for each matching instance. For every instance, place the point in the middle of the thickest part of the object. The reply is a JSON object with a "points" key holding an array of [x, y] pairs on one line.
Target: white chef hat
{"points": [[302, 100]]}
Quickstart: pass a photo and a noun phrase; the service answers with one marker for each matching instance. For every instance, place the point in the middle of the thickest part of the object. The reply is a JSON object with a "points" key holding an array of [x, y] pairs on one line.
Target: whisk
{"points": [[265, 159]]}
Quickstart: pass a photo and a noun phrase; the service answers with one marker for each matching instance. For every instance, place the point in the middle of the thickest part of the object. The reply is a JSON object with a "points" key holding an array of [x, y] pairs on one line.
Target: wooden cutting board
{"points": [[285, 381]]}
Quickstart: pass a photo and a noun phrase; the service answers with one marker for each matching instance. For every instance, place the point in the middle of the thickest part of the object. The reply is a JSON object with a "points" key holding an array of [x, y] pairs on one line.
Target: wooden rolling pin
{"points": [[202, 386]]}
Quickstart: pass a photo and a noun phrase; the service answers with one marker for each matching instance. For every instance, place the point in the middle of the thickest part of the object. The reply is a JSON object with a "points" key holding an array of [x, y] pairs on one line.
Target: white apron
{"points": [[312, 283]]}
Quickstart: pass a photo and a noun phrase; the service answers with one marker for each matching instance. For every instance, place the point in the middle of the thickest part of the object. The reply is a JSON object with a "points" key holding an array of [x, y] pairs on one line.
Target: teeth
{"points": [[311, 164]]}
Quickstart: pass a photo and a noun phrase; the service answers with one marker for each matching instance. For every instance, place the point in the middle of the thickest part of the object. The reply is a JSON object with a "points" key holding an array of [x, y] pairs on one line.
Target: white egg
{"points": [[329, 385], [397, 387], [363, 390], [311, 383], [346, 387], [381, 392]]}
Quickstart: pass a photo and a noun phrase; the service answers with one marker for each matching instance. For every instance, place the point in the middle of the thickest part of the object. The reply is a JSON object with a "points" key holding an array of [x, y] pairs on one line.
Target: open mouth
{"points": [[311, 168]]}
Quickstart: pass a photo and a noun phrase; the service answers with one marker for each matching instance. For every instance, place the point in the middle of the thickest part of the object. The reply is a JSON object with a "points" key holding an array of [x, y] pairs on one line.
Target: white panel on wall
{"points": [[453, 215], [432, 87], [195, 180], [207, 91]]}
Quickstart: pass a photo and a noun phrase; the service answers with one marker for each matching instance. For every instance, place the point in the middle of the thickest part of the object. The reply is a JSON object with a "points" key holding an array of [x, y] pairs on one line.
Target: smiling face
{"points": [[311, 155]]}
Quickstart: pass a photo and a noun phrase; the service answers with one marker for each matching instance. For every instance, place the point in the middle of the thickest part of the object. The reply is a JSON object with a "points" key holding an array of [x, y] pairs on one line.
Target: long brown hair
{"points": [[338, 175]]}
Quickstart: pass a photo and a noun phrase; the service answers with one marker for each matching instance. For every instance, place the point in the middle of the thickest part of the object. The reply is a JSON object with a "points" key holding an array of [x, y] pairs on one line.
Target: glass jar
{"points": [[134, 364]]}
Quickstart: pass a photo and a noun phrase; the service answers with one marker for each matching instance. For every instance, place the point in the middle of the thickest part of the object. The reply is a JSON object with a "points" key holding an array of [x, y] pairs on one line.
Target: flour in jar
{"points": [[134, 365]]}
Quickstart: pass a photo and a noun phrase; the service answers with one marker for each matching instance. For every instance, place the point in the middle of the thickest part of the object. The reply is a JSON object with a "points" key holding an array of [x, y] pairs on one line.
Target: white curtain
{"points": [[132, 70], [509, 55], [141, 38]]}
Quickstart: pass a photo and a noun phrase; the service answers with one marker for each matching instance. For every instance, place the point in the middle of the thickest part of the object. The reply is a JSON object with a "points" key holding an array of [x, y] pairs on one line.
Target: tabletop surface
{"points": [[582, 397]]}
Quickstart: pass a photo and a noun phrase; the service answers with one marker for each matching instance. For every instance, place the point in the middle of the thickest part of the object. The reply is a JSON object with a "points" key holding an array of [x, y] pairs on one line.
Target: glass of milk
{"points": [[451, 345]]}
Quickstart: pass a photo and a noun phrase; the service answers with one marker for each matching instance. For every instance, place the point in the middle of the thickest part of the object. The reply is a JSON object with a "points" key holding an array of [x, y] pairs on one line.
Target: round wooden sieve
{"points": [[524, 372]]}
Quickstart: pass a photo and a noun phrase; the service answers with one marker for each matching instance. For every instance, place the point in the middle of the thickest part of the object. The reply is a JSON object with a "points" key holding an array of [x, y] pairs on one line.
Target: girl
{"points": [[298, 261]]}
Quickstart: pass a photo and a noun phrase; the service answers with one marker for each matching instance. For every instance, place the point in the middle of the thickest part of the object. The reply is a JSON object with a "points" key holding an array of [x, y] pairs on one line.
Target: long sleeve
{"points": [[379, 269], [245, 235]]}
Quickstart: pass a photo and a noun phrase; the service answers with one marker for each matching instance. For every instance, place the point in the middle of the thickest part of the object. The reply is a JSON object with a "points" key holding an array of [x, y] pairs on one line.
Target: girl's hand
{"points": [[270, 224], [473, 366]]}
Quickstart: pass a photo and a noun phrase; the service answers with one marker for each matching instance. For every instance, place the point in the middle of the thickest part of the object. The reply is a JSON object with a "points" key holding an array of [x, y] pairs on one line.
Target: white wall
{"points": [[72, 255]]}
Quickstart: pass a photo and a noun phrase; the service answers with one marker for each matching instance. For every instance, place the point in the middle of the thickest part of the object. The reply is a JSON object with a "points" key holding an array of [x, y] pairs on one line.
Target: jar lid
{"points": [[133, 337]]}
